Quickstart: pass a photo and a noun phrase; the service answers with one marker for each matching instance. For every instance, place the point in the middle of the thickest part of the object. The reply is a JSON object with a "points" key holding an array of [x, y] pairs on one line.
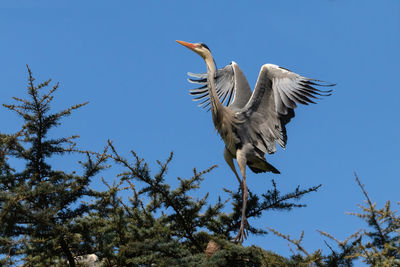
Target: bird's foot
{"points": [[243, 231]]}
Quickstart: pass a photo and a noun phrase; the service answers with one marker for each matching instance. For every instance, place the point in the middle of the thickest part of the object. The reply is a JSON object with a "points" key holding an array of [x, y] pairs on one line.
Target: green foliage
{"points": [[172, 228], [378, 245], [38, 205], [50, 217]]}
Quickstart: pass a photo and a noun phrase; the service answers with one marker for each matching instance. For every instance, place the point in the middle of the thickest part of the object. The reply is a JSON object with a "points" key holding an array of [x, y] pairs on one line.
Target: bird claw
{"points": [[243, 231]]}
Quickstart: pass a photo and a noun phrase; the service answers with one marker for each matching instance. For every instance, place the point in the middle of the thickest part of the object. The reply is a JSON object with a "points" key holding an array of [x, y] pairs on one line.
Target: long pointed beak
{"points": [[188, 45]]}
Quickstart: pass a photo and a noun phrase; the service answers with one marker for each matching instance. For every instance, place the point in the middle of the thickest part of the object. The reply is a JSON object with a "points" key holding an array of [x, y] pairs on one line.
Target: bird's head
{"points": [[198, 48]]}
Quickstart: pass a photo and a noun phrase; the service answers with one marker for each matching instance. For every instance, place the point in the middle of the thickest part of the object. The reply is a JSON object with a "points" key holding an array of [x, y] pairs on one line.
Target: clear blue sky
{"points": [[124, 60]]}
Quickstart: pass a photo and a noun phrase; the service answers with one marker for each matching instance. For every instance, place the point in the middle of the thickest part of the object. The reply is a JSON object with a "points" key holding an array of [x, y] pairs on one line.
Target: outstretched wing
{"points": [[232, 87], [272, 104]]}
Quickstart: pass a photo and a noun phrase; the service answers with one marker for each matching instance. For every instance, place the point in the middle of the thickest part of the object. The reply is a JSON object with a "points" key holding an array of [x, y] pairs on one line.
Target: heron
{"points": [[251, 123]]}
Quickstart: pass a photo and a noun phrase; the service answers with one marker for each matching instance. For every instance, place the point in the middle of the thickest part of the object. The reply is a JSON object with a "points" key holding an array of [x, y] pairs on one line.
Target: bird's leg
{"points": [[229, 159], [241, 159]]}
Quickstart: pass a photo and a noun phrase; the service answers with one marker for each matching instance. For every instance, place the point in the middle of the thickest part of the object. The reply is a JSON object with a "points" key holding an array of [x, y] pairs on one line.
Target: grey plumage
{"points": [[231, 85], [271, 106], [251, 123]]}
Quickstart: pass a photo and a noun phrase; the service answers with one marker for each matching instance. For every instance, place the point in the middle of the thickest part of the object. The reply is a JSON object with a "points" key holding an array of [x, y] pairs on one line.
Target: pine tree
{"points": [[51, 217], [162, 226], [377, 245], [38, 205]]}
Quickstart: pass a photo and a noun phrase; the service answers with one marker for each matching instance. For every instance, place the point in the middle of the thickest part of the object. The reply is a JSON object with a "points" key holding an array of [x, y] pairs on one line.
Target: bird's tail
{"points": [[262, 166]]}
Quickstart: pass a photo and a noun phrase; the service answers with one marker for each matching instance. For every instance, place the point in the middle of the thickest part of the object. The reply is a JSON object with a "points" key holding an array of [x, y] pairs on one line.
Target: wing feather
{"points": [[231, 85], [272, 104]]}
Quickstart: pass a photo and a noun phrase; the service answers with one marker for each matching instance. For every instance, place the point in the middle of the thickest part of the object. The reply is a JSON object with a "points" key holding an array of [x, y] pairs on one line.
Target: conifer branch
{"points": [[373, 213], [296, 242], [137, 172]]}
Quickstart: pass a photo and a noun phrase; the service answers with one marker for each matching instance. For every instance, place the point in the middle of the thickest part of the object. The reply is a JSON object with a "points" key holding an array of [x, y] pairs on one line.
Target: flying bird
{"points": [[250, 123]]}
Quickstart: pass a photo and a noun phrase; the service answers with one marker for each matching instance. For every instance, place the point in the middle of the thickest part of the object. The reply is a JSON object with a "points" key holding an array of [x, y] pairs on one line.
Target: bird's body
{"points": [[250, 123], [236, 132]]}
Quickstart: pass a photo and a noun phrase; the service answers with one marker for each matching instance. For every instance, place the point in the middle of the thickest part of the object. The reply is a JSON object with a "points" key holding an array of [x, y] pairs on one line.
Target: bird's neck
{"points": [[215, 103], [223, 118]]}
